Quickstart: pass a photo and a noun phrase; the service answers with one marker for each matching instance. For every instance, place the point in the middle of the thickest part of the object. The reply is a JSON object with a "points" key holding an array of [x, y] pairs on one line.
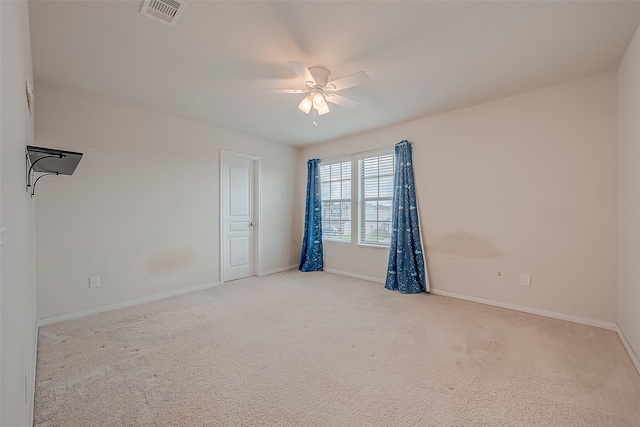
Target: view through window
{"points": [[335, 179], [375, 196], [374, 178]]}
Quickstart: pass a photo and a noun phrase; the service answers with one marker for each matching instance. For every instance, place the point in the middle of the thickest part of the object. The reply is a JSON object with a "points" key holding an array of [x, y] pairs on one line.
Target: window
{"points": [[375, 197], [335, 181], [372, 179]]}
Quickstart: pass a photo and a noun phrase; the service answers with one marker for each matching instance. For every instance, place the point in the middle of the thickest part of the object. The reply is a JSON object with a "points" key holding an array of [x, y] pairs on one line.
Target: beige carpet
{"points": [[316, 349]]}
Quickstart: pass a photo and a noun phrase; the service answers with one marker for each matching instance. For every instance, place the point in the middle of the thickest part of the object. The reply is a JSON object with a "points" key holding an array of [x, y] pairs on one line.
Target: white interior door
{"points": [[239, 223]]}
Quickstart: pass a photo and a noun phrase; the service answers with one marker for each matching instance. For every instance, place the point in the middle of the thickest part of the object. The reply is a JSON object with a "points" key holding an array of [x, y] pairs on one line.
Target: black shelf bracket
{"points": [[48, 161]]}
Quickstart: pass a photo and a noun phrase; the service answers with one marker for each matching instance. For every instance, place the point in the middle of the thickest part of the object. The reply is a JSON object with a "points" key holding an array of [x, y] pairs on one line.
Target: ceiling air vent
{"points": [[165, 11]]}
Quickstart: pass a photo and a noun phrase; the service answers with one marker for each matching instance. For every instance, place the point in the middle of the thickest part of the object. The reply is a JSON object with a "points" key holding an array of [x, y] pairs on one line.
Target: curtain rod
{"points": [[326, 159]]}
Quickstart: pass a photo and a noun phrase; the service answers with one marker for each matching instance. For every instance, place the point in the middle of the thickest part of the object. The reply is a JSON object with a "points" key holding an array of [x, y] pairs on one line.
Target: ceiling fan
{"points": [[321, 90]]}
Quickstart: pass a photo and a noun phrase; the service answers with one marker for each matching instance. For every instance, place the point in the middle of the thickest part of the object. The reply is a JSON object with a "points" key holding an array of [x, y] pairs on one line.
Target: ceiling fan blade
{"points": [[302, 71], [285, 90], [342, 100], [353, 80]]}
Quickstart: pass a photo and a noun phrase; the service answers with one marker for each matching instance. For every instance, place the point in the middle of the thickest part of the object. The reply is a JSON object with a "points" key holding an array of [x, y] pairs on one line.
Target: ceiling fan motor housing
{"points": [[320, 75]]}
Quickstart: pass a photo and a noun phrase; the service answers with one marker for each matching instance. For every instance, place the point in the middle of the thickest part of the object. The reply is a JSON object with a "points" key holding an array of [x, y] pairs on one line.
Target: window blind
{"points": [[375, 196], [335, 181]]}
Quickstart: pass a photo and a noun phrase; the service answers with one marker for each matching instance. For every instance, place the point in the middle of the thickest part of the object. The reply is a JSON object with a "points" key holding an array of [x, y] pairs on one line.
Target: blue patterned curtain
{"points": [[311, 257], [407, 271]]}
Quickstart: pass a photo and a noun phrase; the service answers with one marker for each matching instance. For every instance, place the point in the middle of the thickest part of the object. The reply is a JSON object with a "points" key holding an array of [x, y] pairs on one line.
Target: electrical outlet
{"points": [[94, 281], [525, 279]]}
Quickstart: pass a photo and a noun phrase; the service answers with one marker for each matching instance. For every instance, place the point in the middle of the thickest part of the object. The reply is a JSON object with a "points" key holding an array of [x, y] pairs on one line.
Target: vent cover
{"points": [[166, 11]]}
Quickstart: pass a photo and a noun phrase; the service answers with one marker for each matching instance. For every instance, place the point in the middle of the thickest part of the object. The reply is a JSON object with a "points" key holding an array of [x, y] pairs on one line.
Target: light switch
{"points": [[94, 281]]}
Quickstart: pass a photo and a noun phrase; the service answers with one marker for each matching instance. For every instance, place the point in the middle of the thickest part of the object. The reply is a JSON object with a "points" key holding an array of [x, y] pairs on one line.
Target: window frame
{"points": [[361, 201], [324, 163]]}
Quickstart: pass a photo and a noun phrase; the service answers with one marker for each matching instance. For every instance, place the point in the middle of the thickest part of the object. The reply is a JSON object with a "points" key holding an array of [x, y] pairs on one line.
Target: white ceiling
{"points": [[423, 57]]}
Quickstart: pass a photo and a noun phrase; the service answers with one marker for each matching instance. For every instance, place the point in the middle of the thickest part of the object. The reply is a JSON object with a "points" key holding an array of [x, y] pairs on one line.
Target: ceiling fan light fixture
{"points": [[323, 109], [318, 100], [306, 104]]}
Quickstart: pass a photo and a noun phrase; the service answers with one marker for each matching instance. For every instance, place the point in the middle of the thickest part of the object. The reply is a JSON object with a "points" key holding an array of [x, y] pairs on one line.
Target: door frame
{"points": [[256, 209]]}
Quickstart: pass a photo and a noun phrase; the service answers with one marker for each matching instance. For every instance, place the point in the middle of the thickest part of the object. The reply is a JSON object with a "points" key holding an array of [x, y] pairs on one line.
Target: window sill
{"points": [[336, 241], [369, 245]]}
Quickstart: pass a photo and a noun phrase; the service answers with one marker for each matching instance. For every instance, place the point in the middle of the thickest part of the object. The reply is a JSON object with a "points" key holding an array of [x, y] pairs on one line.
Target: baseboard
{"points": [[278, 270], [627, 346], [530, 310], [546, 313], [355, 276], [524, 309], [156, 297]]}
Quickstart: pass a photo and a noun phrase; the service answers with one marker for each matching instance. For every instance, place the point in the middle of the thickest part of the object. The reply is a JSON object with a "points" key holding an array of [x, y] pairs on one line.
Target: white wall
{"points": [[525, 184], [629, 194], [142, 208], [17, 259]]}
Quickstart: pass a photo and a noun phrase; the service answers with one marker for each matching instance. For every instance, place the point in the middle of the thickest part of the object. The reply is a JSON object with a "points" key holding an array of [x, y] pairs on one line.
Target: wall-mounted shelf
{"points": [[49, 161]]}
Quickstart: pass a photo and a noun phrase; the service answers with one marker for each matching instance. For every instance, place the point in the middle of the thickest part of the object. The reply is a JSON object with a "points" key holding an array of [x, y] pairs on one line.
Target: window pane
{"points": [[345, 210], [370, 166], [378, 232], [325, 190], [375, 189], [384, 236], [329, 230], [371, 211], [336, 230], [336, 204], [327, 210], [325, 172], [386, 164], [346, 170], [347, 229], [385, 210], [346, 189], [386, 186], [335, 190], [335, 172], [370, 187]]}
